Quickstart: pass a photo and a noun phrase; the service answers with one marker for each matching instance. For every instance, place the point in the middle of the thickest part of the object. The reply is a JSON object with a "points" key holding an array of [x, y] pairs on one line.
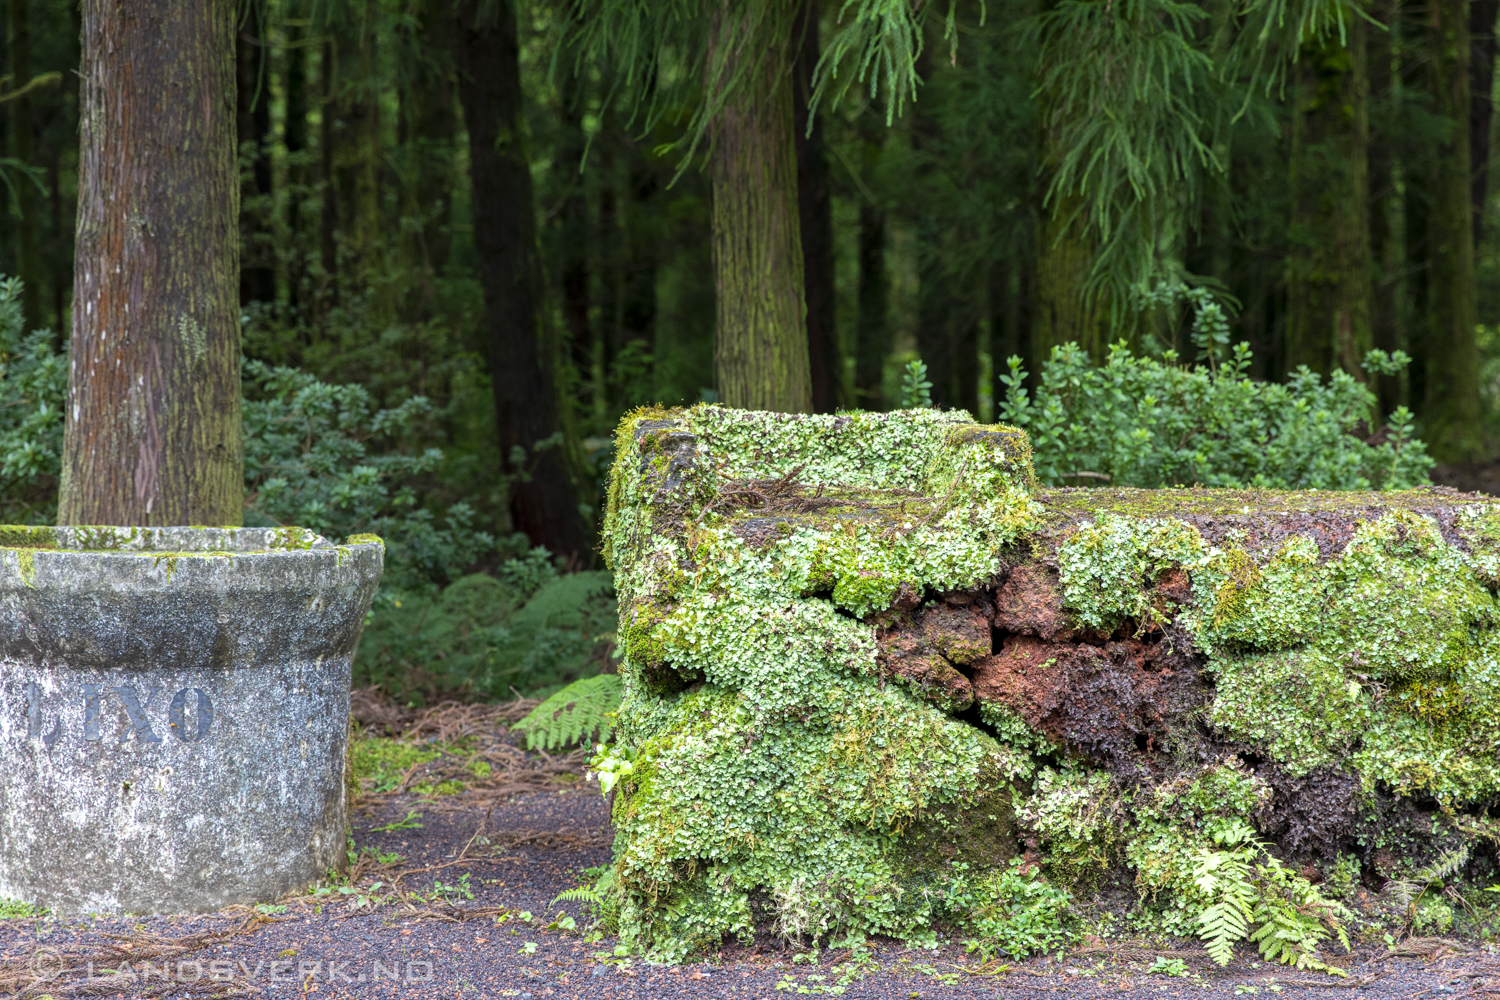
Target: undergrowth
{"points": [[584, 711], [1139, 421]]}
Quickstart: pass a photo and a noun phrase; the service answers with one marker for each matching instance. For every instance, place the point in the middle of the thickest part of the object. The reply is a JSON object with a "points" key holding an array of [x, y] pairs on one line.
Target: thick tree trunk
{"points": [[295, 135], [153, 410], [1328, 268], [576, 222], [1063, 312], [428, 126], [1482, 15], [22, 147], [253, 132], [815, 212], [1389, 294], [522, 356], [1452, 380], [760, 344]]}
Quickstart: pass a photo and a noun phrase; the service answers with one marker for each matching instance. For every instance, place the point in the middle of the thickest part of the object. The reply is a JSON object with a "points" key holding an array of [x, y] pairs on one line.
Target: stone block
{"points": [[890, 651]]}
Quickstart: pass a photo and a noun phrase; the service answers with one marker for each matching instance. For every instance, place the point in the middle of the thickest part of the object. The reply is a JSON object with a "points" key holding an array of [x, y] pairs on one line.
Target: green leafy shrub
{"points": [[33, 384], [1008, 911], [1137, 421], [582, 711], [485, 636], [324, 457]]}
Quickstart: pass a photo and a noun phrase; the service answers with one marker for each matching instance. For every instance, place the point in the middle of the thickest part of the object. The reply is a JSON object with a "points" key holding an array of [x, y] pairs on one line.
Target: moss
{"points": [[808, 802], [377, 763], [365, 540], [776, 777], [104, 538], [167, 559], [25, 536], [25, 565], [293, 539], [1270, 607], [1300, 706], [1105, 567]]}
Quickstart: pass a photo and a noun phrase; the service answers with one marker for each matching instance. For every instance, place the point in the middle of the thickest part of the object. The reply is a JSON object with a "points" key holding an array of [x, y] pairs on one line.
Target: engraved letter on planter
{"points": [[34, 717], [139, 724], [179, 724]]}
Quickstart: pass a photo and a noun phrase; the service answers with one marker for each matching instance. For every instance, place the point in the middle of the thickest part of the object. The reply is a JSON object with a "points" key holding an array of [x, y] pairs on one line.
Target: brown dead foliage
{"points": [[468, 734], [74, 970], [378, 713]]}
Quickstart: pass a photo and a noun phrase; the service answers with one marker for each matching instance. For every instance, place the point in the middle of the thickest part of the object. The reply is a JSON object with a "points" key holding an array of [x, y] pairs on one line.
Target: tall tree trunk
{"points": [[1389, 309], [356, 150], [328, 223], [576, 222], [874, 335], [1063, 312], [760, 336], [1452, 389], [153, 411], [22, 147], [295, 136], [1482, 15], [253, 132], [522, 354], [815, 212], [429, 126], [1328, 268]]}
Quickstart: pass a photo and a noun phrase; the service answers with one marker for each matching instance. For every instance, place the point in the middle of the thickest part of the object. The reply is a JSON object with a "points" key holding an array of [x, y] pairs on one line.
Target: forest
{"points": [[1217, 243]]}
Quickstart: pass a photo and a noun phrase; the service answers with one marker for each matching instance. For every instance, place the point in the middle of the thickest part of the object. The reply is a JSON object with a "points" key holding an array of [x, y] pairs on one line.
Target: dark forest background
{"points": [[1329, 191]]}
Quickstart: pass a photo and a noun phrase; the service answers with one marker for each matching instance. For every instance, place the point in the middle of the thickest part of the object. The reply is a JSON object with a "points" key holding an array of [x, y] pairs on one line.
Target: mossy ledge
{"points": [[864, 648]]}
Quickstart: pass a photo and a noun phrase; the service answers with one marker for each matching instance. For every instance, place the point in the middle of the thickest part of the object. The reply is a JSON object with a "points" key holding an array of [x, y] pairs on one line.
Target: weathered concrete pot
{"points": [[175, 713]]}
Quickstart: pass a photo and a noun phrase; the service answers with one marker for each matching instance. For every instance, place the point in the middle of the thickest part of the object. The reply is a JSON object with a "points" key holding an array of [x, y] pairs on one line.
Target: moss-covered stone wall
{"points": [[872, 672]]}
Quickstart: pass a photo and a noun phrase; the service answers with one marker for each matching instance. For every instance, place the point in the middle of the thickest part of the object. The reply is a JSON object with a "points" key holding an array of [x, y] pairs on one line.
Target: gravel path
{"points": [[442, 943]]}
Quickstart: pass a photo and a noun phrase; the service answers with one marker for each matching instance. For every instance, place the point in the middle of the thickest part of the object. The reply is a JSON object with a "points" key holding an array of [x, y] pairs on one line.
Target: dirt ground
{"points": [[468, 883]]}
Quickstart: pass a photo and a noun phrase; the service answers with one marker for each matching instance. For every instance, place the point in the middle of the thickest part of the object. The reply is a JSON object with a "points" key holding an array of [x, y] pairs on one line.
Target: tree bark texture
{"points": [[153, 412], [815, 212], [760, 344], [356, 152], [1451, 393], [522, 354], [1329, 264], [1063, 312]]}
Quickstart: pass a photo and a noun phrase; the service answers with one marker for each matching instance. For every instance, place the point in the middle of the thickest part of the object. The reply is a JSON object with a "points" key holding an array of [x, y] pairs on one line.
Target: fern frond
{"points": [[1221, 925], [1447, 865], [1404, 891], [579, 894], [584, 710]]}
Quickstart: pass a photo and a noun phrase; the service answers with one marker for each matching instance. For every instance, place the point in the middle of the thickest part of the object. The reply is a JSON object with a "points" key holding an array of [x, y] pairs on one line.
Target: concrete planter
{"points": [[174, 708]]}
